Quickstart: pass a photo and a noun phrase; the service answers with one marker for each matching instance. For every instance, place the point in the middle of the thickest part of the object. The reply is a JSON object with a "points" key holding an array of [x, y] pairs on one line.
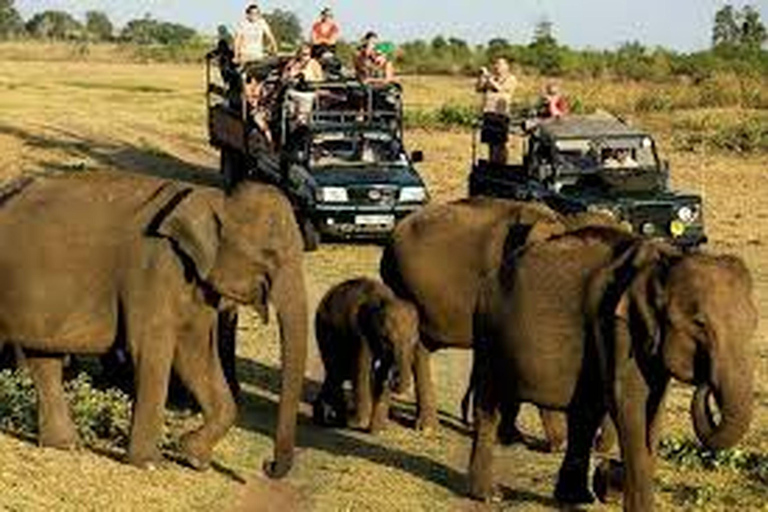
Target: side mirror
{"points": [[417, 157]]}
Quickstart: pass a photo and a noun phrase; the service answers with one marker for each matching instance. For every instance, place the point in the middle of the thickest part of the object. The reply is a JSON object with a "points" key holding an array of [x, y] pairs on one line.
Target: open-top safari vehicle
{"points": [[337, 151], [596, 163]]}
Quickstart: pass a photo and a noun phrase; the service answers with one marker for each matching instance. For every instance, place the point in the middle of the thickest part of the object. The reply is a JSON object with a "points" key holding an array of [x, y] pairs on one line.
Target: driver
{"points": [[620, 158]]}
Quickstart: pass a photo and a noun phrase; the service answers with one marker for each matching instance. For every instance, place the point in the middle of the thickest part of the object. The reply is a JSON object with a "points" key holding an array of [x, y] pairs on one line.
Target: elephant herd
{"points": [[570, 313]]}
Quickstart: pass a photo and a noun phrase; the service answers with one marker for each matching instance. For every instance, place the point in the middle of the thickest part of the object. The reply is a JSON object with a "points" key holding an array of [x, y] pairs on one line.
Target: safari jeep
{"points": [[596, 163], [337, 153]]}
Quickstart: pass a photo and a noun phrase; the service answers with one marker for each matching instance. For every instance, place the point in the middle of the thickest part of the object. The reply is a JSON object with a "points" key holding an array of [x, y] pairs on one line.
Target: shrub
{"points": [[100, 416], [653, 101], [747, 136]]}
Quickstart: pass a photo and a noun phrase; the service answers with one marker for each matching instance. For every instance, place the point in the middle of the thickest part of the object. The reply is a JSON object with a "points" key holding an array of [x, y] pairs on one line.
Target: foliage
{"points": [[286, 27], [11, 23], [151, 31], [98, 26], [54, 25], [688, 454], [449, 116], [100, 415], [738, 31]]}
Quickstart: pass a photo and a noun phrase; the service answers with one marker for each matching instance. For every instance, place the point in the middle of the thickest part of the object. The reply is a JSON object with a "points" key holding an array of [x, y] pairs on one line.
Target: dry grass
{"points": [[64, 116]]}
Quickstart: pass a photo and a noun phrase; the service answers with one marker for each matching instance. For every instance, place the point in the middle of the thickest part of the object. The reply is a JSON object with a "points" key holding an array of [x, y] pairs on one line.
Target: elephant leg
{"points": [[152, 353], [54, 421], [425, 392], [583, 420], [638, 418], [330, 407], [555, 429], [380, 414], [487, 416], [199, 367], [226, 329], [362, 390], [606, 437], [508, 432]]}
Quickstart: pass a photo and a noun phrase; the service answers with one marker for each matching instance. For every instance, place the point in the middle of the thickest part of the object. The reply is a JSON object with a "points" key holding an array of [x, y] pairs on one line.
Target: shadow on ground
{"points": [[126, 157], [258, 414]]}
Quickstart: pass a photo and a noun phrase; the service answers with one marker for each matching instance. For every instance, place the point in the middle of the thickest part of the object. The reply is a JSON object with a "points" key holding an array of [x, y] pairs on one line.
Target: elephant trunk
{"points": [[732, 391], [289, 298]]}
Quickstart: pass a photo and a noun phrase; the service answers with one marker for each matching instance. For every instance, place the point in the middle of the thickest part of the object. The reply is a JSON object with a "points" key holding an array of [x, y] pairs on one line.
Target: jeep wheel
{"points": [[232, 168], [310, 234]]}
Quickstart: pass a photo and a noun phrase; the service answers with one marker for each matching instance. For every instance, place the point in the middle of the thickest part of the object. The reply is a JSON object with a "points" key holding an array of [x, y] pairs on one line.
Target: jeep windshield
{"points": [[609, 153], [618, 164], [356, 150]]}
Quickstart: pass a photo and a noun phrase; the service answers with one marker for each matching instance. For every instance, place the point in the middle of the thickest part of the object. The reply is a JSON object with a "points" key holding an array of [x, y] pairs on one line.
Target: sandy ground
{"points": [[61, 117]]}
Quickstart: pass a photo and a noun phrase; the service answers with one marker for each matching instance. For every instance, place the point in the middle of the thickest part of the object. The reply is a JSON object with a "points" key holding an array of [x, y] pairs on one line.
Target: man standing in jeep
{"points": [[497, 88], [325, 34]]}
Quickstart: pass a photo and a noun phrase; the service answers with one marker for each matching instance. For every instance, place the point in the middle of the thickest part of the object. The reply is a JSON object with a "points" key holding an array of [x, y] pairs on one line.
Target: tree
{"points": [[54, 25], [11, 23], [98, 26], [545, 53], [150, 31], [286, 27], [726, 29], [752, 35]]}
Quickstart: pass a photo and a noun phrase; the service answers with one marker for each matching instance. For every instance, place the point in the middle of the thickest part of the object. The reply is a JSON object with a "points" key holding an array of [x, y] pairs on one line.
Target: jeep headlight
{"points": [[332, 195], [688, 214], [413, 194]]}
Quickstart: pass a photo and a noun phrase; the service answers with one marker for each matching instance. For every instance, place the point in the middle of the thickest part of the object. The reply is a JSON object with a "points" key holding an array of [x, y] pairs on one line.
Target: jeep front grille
{"points": [[373, 195]]}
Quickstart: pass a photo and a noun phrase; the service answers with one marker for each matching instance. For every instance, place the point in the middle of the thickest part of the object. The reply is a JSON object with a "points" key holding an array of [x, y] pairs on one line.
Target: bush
{"points": [[653, 101], [689, 454], [446, 117], [100, 416], [748, 136]]}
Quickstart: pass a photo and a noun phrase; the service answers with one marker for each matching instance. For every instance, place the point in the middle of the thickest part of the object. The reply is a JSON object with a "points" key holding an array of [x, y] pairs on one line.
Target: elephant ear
{"points": [[643, 302], [191, 222]]}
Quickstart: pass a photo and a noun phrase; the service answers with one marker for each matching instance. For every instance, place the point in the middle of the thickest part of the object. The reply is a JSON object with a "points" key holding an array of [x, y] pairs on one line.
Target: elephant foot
{"points": [[608, 481], [485, 492], [149, 462], [277, 469], [378, 425], [359, 423], [326, 415], [196, 452], [568, 493], [509, 435], [60, 439], [427, 423]]}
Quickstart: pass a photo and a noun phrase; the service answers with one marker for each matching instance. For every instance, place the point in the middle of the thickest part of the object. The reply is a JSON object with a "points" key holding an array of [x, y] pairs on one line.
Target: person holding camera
{"points": [[497, 87]]}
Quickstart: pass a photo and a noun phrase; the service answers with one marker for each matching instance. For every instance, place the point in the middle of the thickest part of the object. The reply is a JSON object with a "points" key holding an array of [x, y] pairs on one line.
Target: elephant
{"points": [[437, 259], [368, 336], [598, 321], [101, 258]]}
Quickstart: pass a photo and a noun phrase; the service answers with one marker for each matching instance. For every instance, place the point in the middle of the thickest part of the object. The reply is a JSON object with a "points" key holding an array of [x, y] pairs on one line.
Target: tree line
{"points": [[738, 45]]}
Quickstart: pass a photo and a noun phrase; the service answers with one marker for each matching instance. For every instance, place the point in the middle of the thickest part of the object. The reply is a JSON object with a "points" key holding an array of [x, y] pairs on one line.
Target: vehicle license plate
{"points": [[375, 220]]}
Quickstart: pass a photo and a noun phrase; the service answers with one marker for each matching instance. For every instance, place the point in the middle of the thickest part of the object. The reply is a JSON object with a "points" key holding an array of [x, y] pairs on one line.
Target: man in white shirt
{"points": [[250, 35]]}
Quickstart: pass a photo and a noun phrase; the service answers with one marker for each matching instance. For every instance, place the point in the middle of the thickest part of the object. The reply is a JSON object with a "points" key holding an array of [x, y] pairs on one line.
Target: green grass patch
{"points": [[689, 454]]}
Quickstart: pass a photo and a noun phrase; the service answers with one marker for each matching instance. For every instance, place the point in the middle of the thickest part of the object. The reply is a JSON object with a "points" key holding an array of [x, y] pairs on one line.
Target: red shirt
{"points": [[325, 32]]}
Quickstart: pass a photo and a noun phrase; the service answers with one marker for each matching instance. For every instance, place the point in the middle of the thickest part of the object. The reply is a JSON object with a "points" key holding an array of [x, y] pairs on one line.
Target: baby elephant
{"points": [[368, 336]]}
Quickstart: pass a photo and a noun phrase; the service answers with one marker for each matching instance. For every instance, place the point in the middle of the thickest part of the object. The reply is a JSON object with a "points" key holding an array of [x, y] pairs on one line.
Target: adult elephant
{"points": [[599, 321], [95, 259], [437, 259]]}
